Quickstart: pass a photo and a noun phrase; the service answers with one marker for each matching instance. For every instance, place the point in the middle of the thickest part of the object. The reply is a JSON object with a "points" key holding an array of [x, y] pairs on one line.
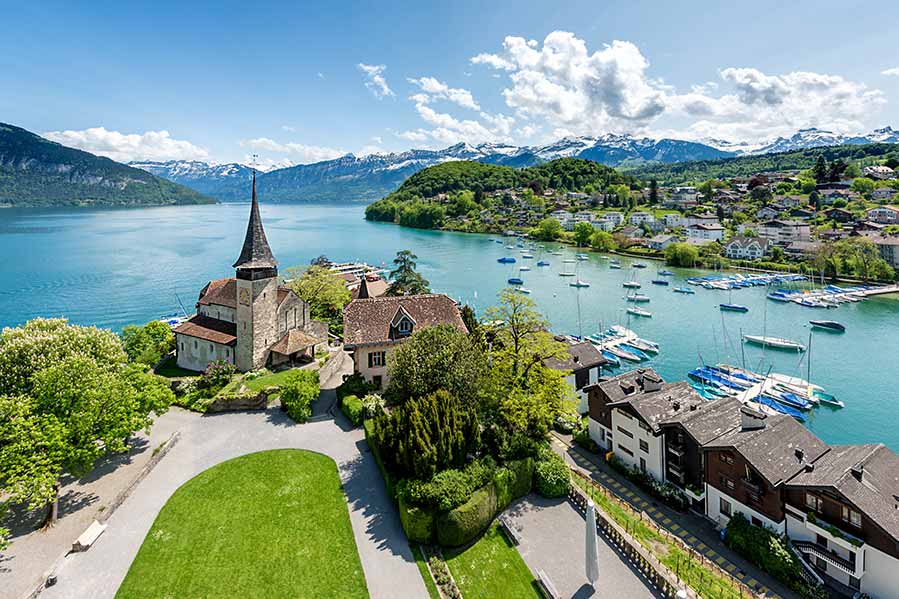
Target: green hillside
{"points": [[36, 172]]}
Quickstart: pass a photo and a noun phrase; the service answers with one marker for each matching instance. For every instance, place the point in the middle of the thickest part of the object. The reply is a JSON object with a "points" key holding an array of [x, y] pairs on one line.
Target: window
{"points": [[644, 446], [726, 457], [855, 583], [821, 563], [196, 345], [211, 348], [852, 517], [724, 506], [727, 483], [376, 359], [626, 432], [813, 502], [644, 426], [405, 326], [625, 450], [642, 465]]}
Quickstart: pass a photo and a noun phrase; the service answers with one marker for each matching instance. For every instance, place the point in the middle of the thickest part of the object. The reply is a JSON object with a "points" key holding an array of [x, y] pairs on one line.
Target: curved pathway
{"points": [[389, 566]]}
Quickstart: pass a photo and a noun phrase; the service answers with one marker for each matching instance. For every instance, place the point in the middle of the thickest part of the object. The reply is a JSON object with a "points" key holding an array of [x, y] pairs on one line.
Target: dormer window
{"points": [[404, 326]]}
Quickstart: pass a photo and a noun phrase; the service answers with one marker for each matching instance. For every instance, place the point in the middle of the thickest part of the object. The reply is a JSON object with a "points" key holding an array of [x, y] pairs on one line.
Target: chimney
{"points": [[750, 419], [799, 454], [651, 382], [858, 471]]}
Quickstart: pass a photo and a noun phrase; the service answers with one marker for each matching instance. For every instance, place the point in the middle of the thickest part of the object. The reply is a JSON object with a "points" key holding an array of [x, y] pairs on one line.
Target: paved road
{"points": [[553, 540], [694, 530], [387, 561]]}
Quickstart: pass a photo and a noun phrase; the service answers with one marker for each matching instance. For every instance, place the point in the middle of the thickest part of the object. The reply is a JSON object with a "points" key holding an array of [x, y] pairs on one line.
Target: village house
{"points": [[888, 247], [638, 218], [882, 194], [673, 219], [829, 196], [250, 320], [882, 173], [373, 327], [705, 232], [616, 218], [583, 362], [746, 248], [706, 218], [781, 231], [887, 215], [767, 213], [802, 213], [791, 201], [660, 242], [840, 215], [682, 197]]}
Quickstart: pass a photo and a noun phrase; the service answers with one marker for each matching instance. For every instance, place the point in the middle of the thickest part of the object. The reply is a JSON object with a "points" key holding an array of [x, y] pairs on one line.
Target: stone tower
{"points": [[257, 294]]}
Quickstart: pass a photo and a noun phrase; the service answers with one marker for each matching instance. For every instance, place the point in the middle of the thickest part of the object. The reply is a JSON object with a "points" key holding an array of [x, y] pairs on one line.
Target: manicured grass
{"points": [[268, 524], [433, 593], [273, 379], [490, 568], [170, 369]]}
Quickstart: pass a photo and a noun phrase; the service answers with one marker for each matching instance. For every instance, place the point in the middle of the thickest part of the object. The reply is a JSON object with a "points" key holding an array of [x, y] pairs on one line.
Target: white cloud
{"points": [[893, 72], [418, 135], [302, 153], [374, 79], [125, 147], [440, 90], [560, 85], [377, 139]]}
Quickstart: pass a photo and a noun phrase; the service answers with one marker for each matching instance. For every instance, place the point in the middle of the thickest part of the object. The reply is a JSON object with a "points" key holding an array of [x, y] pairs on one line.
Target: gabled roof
{"points": [[221, 292], [209, 329], [626, 384], [778, 451], [368, 321], [255, 252], [866, 475], [709, 420], [294, 341], [579, 356], [669, 402]]}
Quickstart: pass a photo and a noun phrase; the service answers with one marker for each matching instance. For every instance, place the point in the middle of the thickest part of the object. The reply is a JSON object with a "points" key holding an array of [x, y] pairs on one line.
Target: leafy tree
{"points": [[426, 435], [681, 254], [852, 171], [863, 185], [719, 212], [583, 231], [324, 291], [892, 162], [549, 229], [603, 241], [298, 392], [149, 343], [761, 193], [321, 260], [475, 330], [777, 254], [814, 200], [438, 357], [405, 280], [421, 215], [863, 258]]}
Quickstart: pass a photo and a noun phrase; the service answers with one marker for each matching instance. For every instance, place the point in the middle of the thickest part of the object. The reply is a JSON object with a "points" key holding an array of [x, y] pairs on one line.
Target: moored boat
{"points": [[775, 342], [515, 281], [579, 283], [614, 266], [639, 312], [506, 260], [543, 263], [631, 284], [685, 290], [666, 273], [639, 265], [830, 325], [660, 282], [637, 297], [733, 308]]}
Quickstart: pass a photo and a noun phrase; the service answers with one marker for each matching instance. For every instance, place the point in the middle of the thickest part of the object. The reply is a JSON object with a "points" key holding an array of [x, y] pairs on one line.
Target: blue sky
{"points": [[299, 82]]}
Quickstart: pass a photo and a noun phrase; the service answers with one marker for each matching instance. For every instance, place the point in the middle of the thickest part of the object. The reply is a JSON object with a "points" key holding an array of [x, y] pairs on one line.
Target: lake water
{"points": [[115, 267]]}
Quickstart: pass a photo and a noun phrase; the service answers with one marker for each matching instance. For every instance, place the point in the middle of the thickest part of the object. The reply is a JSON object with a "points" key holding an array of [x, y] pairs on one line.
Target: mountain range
{"points": [[37, 172], [353, 178]]}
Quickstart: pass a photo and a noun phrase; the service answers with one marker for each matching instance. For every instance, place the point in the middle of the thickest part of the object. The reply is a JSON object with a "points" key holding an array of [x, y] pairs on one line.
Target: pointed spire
{"points": [[363, 289], [255, 252]]}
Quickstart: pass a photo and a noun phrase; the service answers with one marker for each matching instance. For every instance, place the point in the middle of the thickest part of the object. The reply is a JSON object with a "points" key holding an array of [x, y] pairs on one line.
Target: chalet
{"points": [[747, 467], [829, 196], [584, 363], [840, 215], [883, 194], [800, 250], [879, 172], [887, 215], [373, 327], [784, 231], [746, 248], [706, 218], [767, 213], [802, 213], [792, 201], [632, 232]]}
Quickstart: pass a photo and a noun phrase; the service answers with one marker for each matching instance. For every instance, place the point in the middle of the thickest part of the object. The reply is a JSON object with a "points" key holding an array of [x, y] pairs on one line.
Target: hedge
{"points": [[368, 427], [551, 476], [457, 527], [418, 523], [352, 408]]}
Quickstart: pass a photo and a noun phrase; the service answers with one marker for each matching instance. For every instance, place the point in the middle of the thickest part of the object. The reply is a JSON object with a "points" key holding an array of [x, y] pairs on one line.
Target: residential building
{"points": [[887, 215], [829, 196], [706, 218], [616, 218], [683, 197], [879, 172], [802, 213], [632, 232], [888, 247], [747, 467], [583, 362], [782, 231], [767, 213], [800, 250], [704, 232], [673, 219], [840, 215], [746, 248], [373, 327], [792, 201], [883, 193], [638, 218], [660, 242]]}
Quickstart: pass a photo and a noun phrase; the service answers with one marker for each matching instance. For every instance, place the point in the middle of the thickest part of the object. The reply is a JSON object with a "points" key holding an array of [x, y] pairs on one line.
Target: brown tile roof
{"points": [[580, 355], [866, 475], [209, 329], [367, 321], [221, 292], [293, 341], [665, 404], [376, 288]]}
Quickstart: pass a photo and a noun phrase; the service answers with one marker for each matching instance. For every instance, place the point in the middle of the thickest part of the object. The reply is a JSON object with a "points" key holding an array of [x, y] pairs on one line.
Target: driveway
{"points": [[205, 441]]}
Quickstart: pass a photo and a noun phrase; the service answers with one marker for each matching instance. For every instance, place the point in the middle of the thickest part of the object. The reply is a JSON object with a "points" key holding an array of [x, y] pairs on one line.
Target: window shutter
{"points": [[370, 361]]}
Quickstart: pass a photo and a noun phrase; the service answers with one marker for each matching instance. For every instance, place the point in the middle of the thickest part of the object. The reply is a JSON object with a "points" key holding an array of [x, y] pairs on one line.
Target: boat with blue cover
{"points": [[666, 273], [660, 282], [779, 407], [733, 307], [515, 281], [684, 290], [630, 348], [506, 260], [543, 263], [611, 358]]}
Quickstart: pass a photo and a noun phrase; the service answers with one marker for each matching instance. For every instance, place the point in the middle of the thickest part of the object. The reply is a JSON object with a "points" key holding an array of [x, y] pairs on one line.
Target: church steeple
{"points": [[256, 255]]}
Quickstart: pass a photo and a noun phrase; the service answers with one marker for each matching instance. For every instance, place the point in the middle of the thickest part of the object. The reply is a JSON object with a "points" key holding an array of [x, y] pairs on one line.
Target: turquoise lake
{"points": [[115, 267]]}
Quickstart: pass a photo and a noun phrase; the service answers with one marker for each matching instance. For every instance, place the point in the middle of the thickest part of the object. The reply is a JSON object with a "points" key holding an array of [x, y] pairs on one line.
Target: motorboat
{"points": [[637, 297], [506, 260], [524, 268], [582, 256], [660, 282], [543, 263], [639, 312], [666, 273], [775, 342], [733, 308], [829, 325], [524, 290], [631, 285], [614, 266], [579, 283], [639, 265], [685, 290], [515, 281]]}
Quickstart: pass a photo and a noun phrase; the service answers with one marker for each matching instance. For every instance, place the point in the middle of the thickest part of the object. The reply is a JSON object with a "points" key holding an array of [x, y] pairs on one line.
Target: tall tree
{"points": [[582, 233], [324, 291], [405, 280], [653, 192], [820, 169]]}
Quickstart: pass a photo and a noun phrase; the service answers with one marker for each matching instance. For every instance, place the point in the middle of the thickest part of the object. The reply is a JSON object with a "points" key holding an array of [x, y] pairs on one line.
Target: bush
{"points": [[352, 408], [460, 525], [665, 492], [582, 438], [551, 476], [355, 384], [768, 551], [372, 405], [448, 488], [418, 522], [369, 427], [217, 375], [298, 392]]}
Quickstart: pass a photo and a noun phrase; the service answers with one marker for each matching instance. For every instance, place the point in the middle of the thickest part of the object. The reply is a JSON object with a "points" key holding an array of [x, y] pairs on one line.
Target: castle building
{"points": [[249, 320]]}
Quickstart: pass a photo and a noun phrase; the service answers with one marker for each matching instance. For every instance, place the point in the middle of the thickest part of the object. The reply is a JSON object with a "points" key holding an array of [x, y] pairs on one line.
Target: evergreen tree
{"points": [[653, 192], [405, 280], [820, 169]]}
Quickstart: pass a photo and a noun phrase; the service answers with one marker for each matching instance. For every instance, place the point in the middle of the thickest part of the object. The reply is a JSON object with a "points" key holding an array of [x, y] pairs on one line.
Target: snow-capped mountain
{"points": [[352, 178]]}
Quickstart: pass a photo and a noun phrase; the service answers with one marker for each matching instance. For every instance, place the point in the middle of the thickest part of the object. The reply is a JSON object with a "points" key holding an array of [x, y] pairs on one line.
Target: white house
{"points": [[746, 248], [660, 242], [781, 231], [638, 218], [883, 193], [887, 215], [703, 232]]}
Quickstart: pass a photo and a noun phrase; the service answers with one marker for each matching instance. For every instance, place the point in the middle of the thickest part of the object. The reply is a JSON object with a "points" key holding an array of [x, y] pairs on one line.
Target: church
{"points": [[250, 320]]}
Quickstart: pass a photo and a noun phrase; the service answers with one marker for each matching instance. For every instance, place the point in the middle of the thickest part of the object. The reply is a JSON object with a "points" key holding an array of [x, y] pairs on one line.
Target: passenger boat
{"points": [[631, 284], [638, 312], [579, 283], [515, 281], [733, 308], [660, 282], [637, 297], [666, 273], [506, 260], [686, 290], [830, 325], [775, 342], [543, 263]]}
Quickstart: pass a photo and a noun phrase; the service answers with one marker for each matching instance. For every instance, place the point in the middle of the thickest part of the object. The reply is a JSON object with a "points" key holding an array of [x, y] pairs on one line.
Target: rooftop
{"points": [[580, 355], [255, 252], [671, 401], [209, 329], [368, 321], [709, 420]]}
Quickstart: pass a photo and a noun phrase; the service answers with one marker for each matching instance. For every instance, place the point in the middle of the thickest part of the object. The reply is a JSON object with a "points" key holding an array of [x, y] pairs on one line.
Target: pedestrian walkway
{"points": [[697, 532]]}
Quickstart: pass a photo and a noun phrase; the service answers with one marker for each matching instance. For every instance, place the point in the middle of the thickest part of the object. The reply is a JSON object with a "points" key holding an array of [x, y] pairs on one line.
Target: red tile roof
{"points": [[368, 321], [209, 329]]}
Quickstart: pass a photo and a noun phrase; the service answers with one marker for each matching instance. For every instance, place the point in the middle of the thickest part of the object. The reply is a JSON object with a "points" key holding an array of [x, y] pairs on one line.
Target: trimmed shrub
{"points": [[352, 408], [298, 392], [551, 476], [449, 488], [368, 427], [458, 526], [503, 481], [355, 384], [523, 476], [418, 522]]}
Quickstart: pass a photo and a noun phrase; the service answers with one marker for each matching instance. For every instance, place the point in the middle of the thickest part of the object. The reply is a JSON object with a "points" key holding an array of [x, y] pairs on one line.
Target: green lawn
{"points": [[273, 379], [268, 524], [491, 568]]}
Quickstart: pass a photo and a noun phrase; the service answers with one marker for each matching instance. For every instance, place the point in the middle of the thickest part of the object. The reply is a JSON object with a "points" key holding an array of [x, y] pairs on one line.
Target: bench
{"points": [[546, 585], [509, 530], [88, 537]]}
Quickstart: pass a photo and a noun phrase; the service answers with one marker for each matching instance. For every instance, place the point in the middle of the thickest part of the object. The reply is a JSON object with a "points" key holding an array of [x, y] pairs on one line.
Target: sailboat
{"points": [[578, 282], [732, 307]]}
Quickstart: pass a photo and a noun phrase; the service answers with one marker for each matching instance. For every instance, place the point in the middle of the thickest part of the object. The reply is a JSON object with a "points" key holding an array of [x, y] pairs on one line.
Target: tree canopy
{"points": [[324, 291], [405, 280]]}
